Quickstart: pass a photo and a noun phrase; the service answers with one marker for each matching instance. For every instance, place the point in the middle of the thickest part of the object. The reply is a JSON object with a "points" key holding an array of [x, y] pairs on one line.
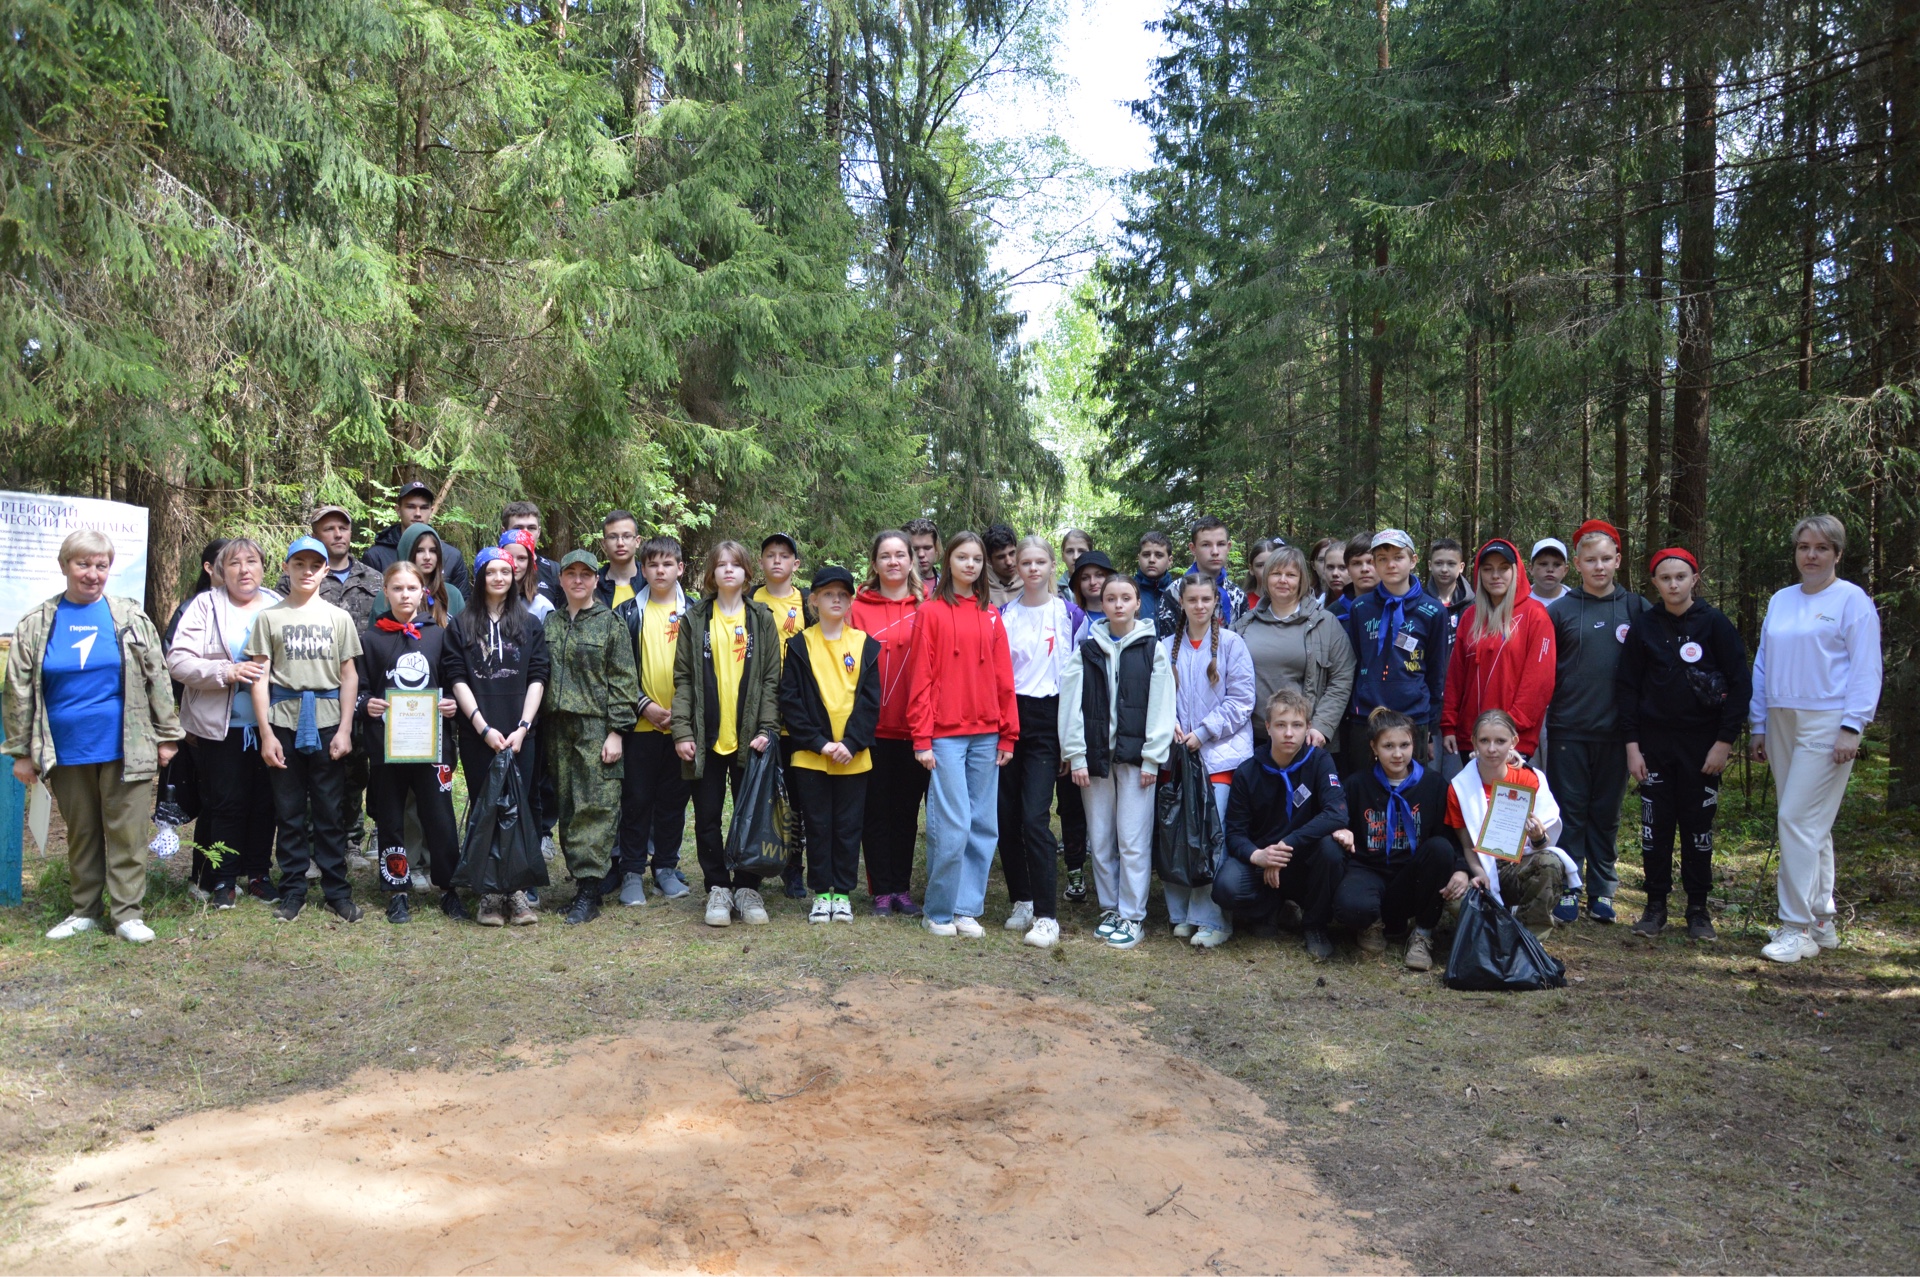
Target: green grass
{"points": [[1676, 1107]]}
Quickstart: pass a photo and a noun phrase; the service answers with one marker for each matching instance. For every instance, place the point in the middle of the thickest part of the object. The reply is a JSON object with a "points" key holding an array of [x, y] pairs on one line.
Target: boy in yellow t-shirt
{"points": [[830, 705], [653, 794], [779, 560]]}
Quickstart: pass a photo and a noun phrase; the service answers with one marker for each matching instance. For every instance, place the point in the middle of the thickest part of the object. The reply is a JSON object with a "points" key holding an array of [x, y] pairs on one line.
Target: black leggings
{"points": [[709, 832], [895, 788], [1029, 857], [1409, 888], [236, 809], [1678, 797], [431, 785]]}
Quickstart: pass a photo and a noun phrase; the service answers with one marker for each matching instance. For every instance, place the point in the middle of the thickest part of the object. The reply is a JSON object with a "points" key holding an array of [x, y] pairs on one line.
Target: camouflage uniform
{"points": [[595, 691]]}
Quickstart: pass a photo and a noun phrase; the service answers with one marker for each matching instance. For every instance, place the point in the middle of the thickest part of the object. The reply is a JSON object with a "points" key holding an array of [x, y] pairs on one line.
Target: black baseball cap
{"points": [[787, 537], [1092, 559], [408, 490], [833, 574]]}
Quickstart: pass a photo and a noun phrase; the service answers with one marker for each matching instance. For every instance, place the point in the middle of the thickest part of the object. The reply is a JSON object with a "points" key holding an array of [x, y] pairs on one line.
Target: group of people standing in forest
{"points": [[1352, 721]]}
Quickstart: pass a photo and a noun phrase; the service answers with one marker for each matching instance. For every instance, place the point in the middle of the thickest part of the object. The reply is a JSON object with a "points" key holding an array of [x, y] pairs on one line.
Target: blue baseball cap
{"points": [[306, 545]]}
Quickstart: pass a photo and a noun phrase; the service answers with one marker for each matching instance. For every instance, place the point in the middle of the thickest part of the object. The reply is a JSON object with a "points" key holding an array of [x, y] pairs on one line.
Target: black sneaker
{"points": [[1076, 888], [1319, 947], [344, 909], [397, 908], [1699, 926], [796, 886], [289, 908], [451, 906], [1653, 920], [261, 888], [586, 903], [223, 896]]}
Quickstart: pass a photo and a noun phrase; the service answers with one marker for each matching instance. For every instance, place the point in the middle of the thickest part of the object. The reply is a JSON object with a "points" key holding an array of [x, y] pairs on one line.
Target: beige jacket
{"points": [[199, 658], [147, 714]]}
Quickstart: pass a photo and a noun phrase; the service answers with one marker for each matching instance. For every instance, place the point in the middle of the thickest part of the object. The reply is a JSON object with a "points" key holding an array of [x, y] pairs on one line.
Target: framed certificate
{"points": [[413, 726], [1503, 834]]}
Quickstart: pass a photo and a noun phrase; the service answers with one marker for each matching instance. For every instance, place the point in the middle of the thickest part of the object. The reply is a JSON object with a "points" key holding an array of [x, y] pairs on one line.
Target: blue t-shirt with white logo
{"points": [[81, 672]]}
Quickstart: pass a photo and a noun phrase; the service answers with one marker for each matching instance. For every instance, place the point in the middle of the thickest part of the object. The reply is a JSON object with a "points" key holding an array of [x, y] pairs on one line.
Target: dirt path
{"points": [[920, 1131]]}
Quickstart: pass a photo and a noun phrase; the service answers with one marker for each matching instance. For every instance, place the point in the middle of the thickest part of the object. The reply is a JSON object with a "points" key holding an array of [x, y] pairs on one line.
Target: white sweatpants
{"points": [[1811, 785], [1120, 840]]}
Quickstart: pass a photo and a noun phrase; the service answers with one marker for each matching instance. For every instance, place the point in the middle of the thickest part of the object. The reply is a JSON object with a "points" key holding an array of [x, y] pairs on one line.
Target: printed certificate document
{"points": [[413, 726], [1503, 834]]}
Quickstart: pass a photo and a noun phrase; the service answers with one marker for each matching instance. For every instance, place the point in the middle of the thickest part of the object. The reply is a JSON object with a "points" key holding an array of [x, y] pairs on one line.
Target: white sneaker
{"points": [[1022, 916], [1108, 921], [1183, 930], [134, 931], [822, 910], [419, 881], [549, 849], [719, 907], [1790, 944], [939, 928], [72, 926], [1210, 938], [753, 910], [843, 909], [1126, 934], [969, 927], [1826, 935], [1044, 935]]}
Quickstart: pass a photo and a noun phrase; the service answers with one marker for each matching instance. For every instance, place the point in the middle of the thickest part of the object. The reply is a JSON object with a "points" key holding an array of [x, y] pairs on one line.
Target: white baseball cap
{"points": [[1544, 544]]}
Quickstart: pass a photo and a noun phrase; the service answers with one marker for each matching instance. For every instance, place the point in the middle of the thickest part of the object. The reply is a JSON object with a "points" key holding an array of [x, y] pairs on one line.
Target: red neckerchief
{"points": [[392, 626]]}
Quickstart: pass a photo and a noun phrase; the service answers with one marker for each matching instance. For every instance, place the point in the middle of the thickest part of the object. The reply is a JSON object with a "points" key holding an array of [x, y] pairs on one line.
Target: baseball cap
{"points": [[581, 557], [832, 574], [787, 537], [1394, 537], [1544, 544], [306, 545], [411, 488], [1092, 559], [325, 510]]}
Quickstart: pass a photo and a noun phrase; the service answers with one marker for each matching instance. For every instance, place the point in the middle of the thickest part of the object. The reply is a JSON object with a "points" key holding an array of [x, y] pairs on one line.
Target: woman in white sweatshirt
{"points": [[1816, 682]]}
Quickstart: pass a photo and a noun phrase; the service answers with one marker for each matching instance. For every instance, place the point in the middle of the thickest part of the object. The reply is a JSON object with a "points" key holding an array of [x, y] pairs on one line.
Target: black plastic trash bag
{"points": [[1492, 952], [1188, 836], [501, 854], [757, 838]]}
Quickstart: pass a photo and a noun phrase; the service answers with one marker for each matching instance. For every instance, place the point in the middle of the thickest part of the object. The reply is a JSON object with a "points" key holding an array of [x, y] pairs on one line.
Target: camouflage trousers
{"points": [[586, 790]]}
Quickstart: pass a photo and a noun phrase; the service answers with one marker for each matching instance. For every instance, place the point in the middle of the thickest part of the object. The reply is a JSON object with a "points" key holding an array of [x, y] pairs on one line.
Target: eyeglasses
{"points": [[622, 537]]}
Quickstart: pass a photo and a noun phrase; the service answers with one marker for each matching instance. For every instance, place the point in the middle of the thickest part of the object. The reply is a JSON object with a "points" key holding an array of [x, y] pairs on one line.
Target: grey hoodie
{"points": [[1073, 728], [1278, 646]]}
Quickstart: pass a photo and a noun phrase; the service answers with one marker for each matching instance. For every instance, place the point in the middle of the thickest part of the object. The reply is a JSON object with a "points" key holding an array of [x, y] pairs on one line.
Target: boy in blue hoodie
{"points": [[1399, 636]]}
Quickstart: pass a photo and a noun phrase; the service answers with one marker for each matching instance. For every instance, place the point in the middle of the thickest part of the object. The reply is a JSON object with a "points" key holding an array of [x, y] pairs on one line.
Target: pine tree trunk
{"points": [[1622, 371], [1693, 380], [1470, 488], [1654, 467], [1901, 702]]}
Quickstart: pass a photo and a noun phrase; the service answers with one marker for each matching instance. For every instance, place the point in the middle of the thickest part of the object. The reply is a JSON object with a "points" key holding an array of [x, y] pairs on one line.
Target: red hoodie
{"points": [[891, 623], [962, 674], [1514, 673]]}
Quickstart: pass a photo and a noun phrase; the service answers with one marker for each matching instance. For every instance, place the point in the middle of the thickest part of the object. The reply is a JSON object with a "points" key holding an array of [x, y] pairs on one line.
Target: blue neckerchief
{"points": [[1393, 614], [1398, 808], [1285, 774], [306, 737]]}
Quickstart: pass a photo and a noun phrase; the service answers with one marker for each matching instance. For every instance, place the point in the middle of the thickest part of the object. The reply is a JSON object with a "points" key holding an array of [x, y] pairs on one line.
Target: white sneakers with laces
{"points": [[843, 909], [753, 910], [1210, 938], [822, 910], [939, 928], [1044, 934], [969, 927], [1022, 916], [1126, 934], [1790, 944], [72, 925], [719, 907], [134, 931]]}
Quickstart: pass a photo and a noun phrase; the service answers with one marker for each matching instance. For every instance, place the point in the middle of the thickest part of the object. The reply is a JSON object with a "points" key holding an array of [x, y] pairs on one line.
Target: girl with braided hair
{"points": [[1213, 718]]}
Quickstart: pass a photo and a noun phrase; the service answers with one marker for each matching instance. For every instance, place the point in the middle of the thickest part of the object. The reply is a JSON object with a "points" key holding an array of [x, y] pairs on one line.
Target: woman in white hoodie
{"points": [[1816, 684], [1116, 728], [1213, 718]]}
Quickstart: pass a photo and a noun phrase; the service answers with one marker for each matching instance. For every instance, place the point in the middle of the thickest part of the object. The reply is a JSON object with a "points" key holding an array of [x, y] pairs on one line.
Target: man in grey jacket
{"points": [[1586, 751]]}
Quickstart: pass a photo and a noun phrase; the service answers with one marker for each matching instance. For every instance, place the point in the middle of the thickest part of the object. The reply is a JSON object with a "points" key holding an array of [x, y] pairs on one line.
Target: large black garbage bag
{"points": [[1188, 836], [757, 838], [501, 854], [1492, 952]]}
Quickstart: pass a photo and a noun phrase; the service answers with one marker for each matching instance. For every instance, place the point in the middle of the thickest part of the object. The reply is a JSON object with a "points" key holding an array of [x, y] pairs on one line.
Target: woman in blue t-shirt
{"points": [[89, 707]]}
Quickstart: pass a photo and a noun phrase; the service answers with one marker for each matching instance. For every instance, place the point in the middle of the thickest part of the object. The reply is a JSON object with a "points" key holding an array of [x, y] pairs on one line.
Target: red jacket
{"points": [[891, 623], [1514, 673], [962, 674]]}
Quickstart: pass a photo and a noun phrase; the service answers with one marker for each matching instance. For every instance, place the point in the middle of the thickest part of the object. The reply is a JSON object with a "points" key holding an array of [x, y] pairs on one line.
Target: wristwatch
{"points": [[523, 726]]}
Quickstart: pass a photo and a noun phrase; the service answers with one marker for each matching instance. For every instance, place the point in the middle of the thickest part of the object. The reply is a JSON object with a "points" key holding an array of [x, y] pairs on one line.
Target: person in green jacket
{"points": [[595, 692], [726, 694]]}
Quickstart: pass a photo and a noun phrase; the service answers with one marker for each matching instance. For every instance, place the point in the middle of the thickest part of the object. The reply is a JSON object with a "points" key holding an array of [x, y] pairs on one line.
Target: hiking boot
{"points": [[843, 908], [1568, 910], [520, 910], [1076, 888], [1044, 934], [1319, 946], [1420, 951], [1699, 926], [752, 909], [822, 910], [633, 889], [1021, 919], [1653, 920], [1601, 909], [1373, 940], [586, 903], [450, 905], [492, 912], [397, 910], [344, 909], [288, 908], [223, 895], [671, 883], [719, 907]]}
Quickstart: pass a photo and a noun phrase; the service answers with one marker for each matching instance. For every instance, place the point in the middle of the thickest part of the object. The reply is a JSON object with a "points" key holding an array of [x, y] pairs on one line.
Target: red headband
{"points": [[1597, 525], [1672, 552]]}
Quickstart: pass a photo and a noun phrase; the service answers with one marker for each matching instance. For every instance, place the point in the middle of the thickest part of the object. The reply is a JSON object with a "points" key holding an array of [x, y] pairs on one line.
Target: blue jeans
{"points": [[963, 825]]}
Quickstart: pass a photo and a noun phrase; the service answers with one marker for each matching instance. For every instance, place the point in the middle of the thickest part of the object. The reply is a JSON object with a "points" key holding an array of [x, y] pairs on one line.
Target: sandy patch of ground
{"points": [[893, 1128]]}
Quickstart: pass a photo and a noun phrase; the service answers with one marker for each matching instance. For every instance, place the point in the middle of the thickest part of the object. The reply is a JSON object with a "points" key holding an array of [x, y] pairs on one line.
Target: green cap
{"points": [[583, 558]]}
